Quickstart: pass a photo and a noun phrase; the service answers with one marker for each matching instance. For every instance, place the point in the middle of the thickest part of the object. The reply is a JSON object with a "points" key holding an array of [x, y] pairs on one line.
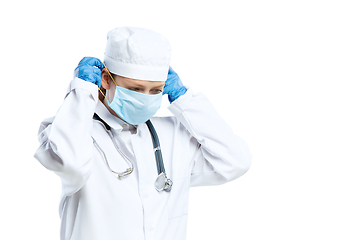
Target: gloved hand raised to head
{"points": [[173, 86], [89, 69]]}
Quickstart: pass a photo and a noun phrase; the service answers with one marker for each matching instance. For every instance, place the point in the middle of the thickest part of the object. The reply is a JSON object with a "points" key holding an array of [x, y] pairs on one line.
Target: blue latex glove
{"points": [[89, 69], [173, 86]]}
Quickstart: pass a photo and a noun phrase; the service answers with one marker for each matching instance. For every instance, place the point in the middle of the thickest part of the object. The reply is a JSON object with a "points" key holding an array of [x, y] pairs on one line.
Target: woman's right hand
{"points": [[89, 69]]}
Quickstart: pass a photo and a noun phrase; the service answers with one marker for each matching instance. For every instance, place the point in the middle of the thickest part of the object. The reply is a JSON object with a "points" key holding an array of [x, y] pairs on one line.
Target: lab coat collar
{"points": [[115, 123]]}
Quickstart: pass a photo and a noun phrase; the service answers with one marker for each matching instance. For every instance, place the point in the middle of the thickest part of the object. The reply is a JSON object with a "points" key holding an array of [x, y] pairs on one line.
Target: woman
{"points": [[114, 184]]}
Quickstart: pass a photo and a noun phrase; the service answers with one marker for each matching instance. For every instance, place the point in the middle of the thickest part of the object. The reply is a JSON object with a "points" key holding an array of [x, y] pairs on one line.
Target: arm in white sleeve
{"points": [[65, 140], [220, 155]]}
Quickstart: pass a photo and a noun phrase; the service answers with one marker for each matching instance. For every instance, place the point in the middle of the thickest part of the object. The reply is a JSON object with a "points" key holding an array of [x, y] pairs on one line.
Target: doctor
{"points": [[103, 151]]}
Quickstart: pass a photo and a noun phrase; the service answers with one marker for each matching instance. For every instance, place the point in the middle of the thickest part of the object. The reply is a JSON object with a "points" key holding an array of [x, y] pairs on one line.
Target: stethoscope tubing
{"points": [[157, 149], [167, 183]]}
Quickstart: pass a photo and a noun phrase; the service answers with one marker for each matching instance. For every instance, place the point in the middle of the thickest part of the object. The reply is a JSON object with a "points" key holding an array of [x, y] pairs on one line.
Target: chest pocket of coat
{"points": [[179, 198]]}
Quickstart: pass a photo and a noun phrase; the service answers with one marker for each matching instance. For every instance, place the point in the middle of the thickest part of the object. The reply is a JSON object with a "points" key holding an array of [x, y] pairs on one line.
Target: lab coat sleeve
{"points": [[219, 156], [65, 140]]}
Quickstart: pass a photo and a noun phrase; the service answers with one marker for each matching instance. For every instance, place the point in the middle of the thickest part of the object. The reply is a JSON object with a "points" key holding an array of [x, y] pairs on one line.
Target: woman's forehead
{"points": [[137, 82]]}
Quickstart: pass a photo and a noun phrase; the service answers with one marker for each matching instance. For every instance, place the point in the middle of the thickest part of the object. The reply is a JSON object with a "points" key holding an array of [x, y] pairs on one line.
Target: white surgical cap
{"points": [[137, 53]]}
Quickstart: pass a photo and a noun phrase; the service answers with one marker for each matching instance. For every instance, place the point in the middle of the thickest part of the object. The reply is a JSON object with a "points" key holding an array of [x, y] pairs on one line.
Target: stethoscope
{"points": [[162, 182]]}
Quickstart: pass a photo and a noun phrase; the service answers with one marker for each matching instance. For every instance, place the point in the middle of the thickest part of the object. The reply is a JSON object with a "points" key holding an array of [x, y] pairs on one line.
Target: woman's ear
{"points": [[105, 79]]}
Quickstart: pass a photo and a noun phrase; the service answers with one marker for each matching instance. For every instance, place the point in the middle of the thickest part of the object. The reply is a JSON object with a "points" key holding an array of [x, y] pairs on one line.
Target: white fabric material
{"points": [[198, 148], [137, 53]]}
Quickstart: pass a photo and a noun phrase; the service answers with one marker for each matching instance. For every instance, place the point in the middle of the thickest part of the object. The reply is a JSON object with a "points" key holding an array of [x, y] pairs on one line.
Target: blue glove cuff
{"points": [[176, 94]]}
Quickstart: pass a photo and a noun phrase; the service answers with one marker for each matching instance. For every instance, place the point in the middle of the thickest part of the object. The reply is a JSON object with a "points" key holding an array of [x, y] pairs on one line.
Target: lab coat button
{"points": [[145, 196], [149, 228]]}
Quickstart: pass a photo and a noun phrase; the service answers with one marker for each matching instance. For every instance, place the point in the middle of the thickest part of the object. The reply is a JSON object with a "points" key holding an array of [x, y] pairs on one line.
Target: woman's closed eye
{"points": [[156, 91], [135, 89]]}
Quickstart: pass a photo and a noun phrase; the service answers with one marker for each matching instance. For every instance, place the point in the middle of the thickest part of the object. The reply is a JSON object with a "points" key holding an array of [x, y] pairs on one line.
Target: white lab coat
{"points": [[198, 148]]}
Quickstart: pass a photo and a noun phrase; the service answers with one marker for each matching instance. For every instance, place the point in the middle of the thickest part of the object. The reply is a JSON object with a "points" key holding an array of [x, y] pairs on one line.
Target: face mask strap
{"points": [[109, 74], [111, 78], [103, 94]]}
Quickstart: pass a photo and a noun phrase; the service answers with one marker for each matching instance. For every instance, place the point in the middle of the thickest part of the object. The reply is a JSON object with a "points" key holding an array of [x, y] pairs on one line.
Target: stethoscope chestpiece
{"points": [[163, 183]]}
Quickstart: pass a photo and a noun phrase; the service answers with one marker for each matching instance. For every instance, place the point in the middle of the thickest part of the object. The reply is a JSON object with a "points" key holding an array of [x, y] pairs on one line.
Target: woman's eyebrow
{"points": [[139, 85], [135, 85], [161, 85]]}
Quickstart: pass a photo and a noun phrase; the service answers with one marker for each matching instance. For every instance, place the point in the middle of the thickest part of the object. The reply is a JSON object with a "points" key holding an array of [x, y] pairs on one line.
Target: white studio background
{"points": [[283, 74]]}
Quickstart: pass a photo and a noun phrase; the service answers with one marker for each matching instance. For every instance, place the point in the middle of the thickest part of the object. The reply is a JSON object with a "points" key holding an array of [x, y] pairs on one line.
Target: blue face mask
{"points": [[134, 107]]}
